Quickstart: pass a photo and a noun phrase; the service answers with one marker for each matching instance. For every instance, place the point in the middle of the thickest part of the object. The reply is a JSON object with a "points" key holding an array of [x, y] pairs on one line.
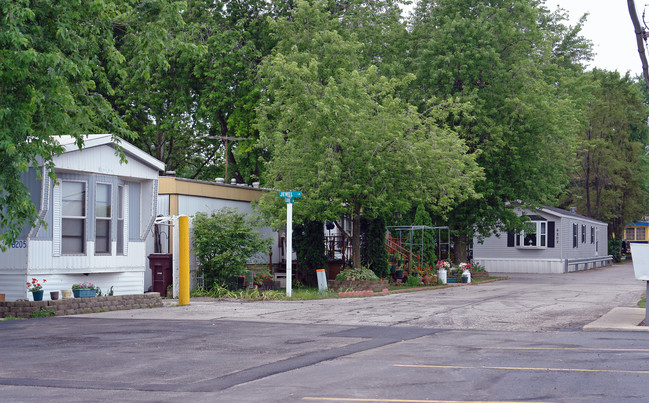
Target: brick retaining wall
{"points": [[72, 306]]}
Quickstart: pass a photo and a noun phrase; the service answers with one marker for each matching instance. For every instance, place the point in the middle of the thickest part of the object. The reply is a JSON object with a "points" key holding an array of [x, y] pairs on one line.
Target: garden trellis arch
{"points": [[443, 244]]}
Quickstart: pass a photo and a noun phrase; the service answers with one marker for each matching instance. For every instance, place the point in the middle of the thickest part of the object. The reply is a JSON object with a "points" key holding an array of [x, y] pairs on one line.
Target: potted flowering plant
{"points": [[85, 289], [465, 269], [36, 289], [263, 279], [442, 267]]}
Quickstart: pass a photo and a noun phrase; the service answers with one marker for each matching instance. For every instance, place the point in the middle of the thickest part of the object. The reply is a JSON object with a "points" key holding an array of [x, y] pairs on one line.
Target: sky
{"points": [[610, 29]]}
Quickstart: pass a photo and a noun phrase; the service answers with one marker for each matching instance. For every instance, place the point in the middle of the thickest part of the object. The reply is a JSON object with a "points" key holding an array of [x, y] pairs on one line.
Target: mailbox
{"points": [[640, 253]]}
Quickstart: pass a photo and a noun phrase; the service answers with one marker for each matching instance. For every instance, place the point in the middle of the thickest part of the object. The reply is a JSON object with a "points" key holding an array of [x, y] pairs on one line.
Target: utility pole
{"points": [[227, 149], [641, 35]]}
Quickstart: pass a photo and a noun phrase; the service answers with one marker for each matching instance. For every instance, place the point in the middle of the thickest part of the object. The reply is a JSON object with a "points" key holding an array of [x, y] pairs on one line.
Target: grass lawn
{"points": [[307, 293]]}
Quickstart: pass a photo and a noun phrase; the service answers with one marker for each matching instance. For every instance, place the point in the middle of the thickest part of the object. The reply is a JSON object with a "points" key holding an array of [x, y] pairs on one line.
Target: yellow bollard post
{"points": [[183, 260]]}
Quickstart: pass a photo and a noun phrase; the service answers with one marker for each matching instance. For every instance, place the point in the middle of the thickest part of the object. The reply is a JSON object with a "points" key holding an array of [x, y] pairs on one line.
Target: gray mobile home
{"points": [[558, 241]]}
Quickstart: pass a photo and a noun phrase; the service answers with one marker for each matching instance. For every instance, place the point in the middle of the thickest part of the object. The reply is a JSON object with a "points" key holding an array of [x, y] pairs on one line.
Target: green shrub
{"points": [[224, 242], [412, 280], [309, 244], [374, 253], [359, 274], [615, 249]]}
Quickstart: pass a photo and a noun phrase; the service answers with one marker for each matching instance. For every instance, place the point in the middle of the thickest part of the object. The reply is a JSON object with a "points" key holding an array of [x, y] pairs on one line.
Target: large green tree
{"points": [[55, 63], [195, 110], [506, 58], [610, 179], [339, 133]]}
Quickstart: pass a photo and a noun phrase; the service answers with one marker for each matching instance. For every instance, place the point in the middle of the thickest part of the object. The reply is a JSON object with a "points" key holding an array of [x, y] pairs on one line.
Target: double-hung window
{"points": [[535, 235], [575, 235], [592, 235], [73, 217], [641, 234], [103, 218]]}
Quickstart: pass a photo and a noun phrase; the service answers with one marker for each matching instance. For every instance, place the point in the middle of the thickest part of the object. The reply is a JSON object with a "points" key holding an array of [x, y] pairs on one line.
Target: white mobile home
{"points": [[180, 196], [98, 216], [558, 241]]}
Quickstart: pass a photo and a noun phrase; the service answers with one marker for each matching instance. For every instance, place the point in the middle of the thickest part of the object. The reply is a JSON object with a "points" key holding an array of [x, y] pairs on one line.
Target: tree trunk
{"points": [[460, 248], [356, 238]]}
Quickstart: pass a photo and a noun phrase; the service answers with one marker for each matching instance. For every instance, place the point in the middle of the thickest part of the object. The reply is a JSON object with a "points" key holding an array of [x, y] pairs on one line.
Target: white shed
{"points": [[98, 216], [558, 241]]}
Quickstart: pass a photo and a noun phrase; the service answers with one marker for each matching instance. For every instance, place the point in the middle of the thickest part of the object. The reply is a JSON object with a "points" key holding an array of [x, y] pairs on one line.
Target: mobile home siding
{"points": [[497, 253], [39, 255]]}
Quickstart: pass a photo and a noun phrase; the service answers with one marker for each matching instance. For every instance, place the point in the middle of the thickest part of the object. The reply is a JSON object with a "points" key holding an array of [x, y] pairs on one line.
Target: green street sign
{"points": [[289, 195]]}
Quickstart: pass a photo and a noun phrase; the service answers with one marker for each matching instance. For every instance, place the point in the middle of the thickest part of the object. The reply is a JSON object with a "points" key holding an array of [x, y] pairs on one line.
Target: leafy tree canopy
{"points": [[341, 135], [55, 63]]}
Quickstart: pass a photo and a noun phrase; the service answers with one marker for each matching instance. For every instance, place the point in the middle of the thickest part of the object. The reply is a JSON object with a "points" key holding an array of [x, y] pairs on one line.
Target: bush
{"points": [[412, 280], [615, 249], [224, 242], [309, 245], [374, 253], [359, 274]]}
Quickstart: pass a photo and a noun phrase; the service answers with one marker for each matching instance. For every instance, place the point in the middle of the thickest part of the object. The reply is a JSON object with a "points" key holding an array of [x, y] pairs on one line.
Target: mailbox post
{"points": [[289, 198], [640, 253]]}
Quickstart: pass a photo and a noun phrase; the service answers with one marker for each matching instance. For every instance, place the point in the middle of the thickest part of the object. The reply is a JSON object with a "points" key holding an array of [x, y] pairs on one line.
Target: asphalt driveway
{"points": [[530, 302]]}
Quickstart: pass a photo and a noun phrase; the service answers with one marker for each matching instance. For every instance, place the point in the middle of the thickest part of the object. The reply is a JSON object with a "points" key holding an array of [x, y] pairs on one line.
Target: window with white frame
{"points": [[73, 217], [575, 235], [535, 235], [583, 233], [103, 218]]}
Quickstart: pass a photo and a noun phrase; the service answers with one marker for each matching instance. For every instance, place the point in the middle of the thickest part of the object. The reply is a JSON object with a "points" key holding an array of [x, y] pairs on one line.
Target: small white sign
{"points": [[640, 254]]}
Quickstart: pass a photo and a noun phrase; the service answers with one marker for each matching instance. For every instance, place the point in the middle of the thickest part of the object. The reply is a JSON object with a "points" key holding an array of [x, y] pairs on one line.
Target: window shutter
{"points": [[510, 239], [56, 220], [551, 234]]}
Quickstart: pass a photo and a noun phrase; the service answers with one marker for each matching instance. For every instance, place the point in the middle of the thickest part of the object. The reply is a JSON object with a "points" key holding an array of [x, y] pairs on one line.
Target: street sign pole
{"points": [[289, 197], [289, 248]]}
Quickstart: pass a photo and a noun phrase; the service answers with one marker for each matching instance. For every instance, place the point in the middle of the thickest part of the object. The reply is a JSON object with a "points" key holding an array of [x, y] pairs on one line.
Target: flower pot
{"points": [[66, 294], [442, 276], [2, 297], [451, 280], [84, 292], [38, 295], [54, 295]]}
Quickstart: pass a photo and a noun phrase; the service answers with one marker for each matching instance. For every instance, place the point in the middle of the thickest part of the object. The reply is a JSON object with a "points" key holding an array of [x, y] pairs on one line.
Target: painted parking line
{"points": [[616, 350], [614, 371], [354, 399]]}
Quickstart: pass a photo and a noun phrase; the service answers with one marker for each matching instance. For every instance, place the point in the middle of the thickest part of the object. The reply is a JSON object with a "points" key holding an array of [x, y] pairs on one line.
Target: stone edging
{"points": [[73, 306]]}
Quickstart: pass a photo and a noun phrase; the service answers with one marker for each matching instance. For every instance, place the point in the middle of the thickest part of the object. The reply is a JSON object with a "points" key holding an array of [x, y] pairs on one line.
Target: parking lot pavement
{"points": [[74, 359], [536, 302]]}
